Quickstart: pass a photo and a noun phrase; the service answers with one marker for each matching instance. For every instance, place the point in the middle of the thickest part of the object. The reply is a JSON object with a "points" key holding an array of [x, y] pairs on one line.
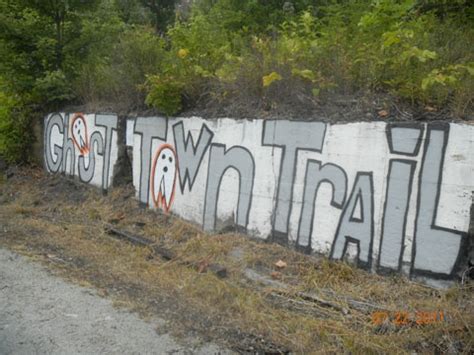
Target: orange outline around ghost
{"points": [[83, 150], [160, 200]]}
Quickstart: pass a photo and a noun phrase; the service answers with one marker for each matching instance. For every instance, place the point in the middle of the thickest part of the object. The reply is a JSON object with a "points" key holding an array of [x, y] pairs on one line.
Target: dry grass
{"points": [[62, 224]]}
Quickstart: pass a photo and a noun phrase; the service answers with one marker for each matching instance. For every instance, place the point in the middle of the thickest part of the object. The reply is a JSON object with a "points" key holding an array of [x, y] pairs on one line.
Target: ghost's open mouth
{"points": [[83, 144]]}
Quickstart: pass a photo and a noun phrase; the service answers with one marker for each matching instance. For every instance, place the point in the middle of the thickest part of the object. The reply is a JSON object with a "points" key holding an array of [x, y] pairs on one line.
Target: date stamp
{"points": [[401, 318]]}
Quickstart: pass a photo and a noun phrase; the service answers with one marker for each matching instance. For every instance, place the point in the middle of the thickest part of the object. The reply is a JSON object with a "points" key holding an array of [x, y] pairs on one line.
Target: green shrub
{"points": [[53, 89], [15, 135], [197, 50], [164, 94], [117, 73]]}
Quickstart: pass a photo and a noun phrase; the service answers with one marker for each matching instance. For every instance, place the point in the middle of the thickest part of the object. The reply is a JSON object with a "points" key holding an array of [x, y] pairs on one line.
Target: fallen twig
{"points": [[301, 305], [164, 253], [283, 289], [140, 241]]}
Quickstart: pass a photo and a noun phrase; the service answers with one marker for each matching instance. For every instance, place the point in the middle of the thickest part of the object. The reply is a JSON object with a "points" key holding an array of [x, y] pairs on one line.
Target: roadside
{"points": [[241, 294], [42, 314]]}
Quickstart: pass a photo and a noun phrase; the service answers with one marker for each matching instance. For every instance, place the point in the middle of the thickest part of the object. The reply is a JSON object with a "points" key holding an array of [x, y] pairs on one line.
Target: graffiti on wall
{"points": [[163, 177], [81, 145], [395, 197], [79, 133]]}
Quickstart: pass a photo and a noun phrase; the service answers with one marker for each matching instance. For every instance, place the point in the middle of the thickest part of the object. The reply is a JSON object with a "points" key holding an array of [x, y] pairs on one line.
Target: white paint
{"points": [[129, 132], [356, 147], [359, 147]]}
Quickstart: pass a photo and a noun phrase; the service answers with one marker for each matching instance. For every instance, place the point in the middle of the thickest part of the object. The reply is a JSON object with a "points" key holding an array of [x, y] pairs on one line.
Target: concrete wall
{"points": [[394, 197]]}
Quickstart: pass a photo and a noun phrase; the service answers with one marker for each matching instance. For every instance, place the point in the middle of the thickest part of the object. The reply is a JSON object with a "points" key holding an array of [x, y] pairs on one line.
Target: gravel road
{"points": [[42, 314]]}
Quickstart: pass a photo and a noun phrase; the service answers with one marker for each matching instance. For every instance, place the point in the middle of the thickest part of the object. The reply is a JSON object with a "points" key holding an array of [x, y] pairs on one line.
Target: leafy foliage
{"points": [[164, 94], [14, 126], [130, 53], [308, 53]]}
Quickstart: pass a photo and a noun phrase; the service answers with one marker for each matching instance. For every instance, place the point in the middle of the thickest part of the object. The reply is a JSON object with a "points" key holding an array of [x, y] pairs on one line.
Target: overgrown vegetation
{"points": [[130, 54]]}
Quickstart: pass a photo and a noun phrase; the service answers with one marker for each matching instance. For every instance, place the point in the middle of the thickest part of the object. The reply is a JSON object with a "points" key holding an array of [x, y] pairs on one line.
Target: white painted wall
{"points": [[357, 148]]}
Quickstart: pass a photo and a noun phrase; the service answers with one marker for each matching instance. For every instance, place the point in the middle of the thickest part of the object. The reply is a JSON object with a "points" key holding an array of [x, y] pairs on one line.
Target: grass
{"points": [[66, 232]]}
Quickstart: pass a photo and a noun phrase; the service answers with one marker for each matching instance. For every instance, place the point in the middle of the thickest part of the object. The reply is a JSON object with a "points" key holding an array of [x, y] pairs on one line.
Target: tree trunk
{"points": [[58, 21]]}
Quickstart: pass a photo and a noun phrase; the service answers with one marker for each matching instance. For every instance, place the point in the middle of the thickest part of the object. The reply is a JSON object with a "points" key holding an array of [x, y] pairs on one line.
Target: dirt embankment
{"points": [[269, 299], [333, 108]]}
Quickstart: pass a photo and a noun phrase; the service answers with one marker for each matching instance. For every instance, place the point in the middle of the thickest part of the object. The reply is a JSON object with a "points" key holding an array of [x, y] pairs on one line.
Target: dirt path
{"points": [[41, 314]]}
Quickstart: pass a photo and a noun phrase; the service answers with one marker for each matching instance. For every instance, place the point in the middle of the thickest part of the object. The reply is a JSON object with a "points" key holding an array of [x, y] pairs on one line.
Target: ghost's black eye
{"points": [[170, 159], [165, 169], [76, 126], [163, 156], [79, 122]]}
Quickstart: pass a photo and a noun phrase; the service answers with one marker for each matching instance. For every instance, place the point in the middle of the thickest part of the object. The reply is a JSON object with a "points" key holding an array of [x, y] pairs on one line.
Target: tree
{"points": [[59, 12], [162, 12], [132, 12]]}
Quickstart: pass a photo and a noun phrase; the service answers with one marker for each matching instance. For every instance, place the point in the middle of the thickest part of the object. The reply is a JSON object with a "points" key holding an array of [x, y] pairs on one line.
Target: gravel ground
{"points": [[42, 314]]}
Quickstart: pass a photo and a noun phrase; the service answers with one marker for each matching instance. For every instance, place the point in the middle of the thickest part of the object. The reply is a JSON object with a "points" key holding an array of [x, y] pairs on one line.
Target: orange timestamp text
{"points": [[401, 318]]}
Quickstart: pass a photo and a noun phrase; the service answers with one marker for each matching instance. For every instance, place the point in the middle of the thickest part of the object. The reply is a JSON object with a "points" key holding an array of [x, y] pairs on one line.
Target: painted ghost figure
{"points": [[163, 177], [79, 133]]}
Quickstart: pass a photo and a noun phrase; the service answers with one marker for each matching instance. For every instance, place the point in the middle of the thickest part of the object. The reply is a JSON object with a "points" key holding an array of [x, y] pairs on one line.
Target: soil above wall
{"points": [[334, 108]]}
